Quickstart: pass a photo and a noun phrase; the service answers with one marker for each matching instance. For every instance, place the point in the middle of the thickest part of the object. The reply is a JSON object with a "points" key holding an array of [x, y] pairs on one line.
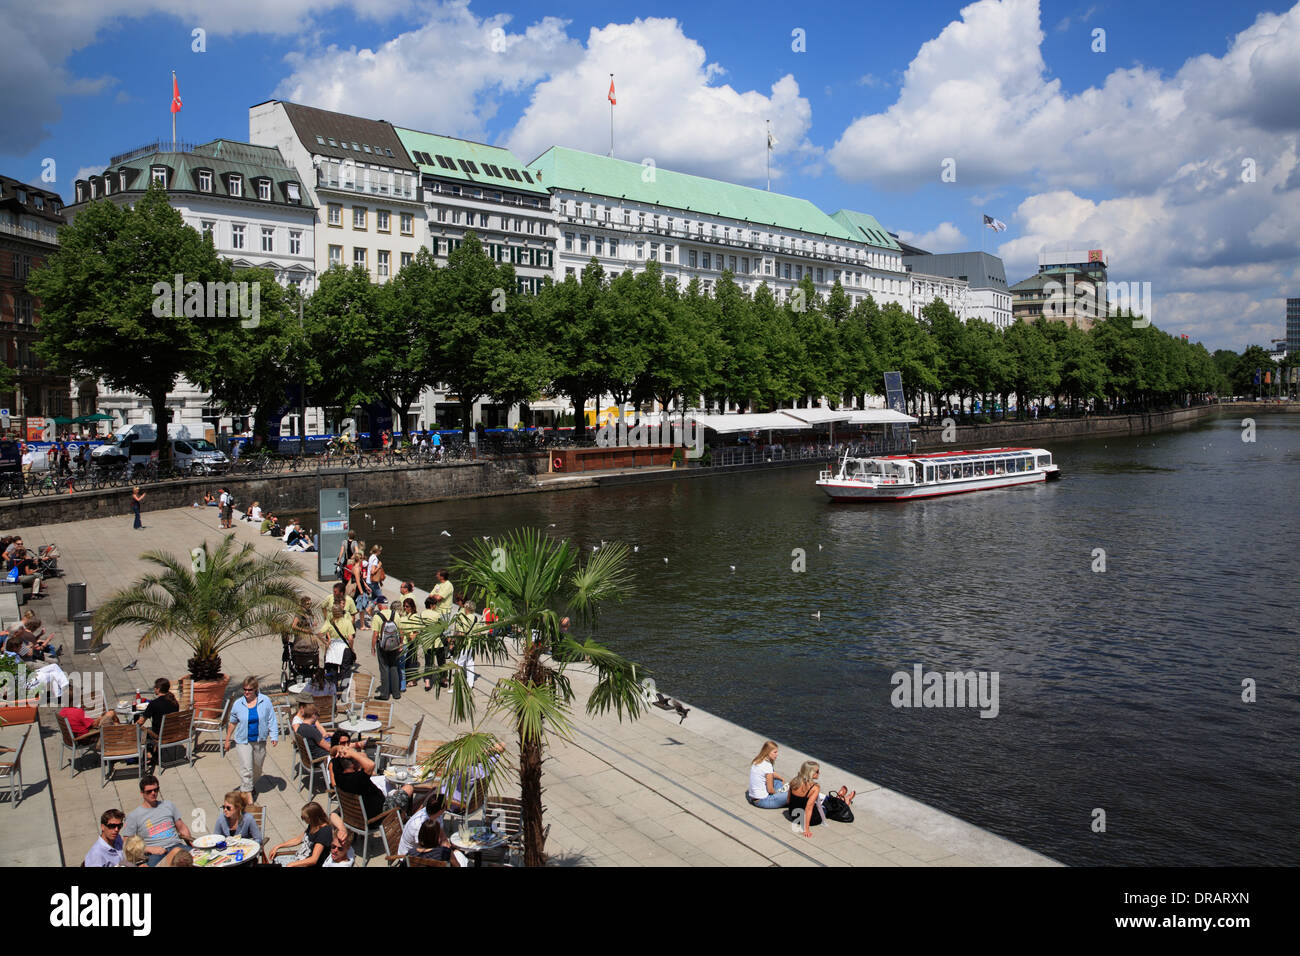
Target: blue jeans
{"points": [[773, 801], [135, 506]]}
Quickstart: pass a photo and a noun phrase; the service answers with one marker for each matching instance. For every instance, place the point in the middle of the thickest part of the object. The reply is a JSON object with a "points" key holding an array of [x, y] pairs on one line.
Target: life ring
{"points": [[558, 463]]}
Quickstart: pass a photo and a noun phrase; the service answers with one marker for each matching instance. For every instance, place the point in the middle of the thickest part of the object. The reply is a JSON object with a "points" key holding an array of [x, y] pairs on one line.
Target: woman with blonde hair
{"points": [[767, 788], [233, 821], [806, 798]]}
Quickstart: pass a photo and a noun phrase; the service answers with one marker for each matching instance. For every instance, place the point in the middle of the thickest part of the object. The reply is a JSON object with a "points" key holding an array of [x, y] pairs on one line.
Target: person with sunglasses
{"points": [[107, 850], [234, 821], [158, 821]]}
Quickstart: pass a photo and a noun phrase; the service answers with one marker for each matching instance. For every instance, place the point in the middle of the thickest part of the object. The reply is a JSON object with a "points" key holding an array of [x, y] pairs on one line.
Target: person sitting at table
{"points": [[234, 822], [133, 852], [309, 730], [107, 850], [158, 821], [314, 844], [451, 787], [431, 809], [353, 772], [80, 723], [341, 853], [163, 703], [432, 843], [178, 857]]}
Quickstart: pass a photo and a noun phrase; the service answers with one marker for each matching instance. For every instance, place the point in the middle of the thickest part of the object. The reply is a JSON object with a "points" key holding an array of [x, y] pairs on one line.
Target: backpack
{"points": [[390, 638]]}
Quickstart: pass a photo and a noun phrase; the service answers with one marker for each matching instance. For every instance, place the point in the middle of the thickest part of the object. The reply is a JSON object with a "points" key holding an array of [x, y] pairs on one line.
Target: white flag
{"points": [[997, 225], [771, 140]]}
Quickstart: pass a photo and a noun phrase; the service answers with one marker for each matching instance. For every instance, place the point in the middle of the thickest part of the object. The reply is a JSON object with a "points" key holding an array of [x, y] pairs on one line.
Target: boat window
{"points": [[979, 468], [945, 472], [1044, 461], [968, 470], [929, 473]]}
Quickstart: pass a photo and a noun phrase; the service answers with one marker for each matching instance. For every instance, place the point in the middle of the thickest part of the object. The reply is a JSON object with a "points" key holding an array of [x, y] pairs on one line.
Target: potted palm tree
{"points": [[535, 585], [212, 601]]}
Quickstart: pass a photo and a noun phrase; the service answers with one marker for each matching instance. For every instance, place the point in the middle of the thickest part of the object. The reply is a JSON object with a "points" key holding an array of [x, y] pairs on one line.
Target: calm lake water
{"points": [[1119, 690]]}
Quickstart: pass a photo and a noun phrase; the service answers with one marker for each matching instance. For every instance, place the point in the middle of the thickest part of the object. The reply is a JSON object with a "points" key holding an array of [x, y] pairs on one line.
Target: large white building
{"points": [[627, 214], [364, 187], [981, 276], [247, 199]]}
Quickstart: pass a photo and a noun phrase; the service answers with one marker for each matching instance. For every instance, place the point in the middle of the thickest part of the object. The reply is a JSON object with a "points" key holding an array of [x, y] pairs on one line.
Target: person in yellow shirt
{"points": [[349, 605], [442, 594], [409, 622], [436, 654]]}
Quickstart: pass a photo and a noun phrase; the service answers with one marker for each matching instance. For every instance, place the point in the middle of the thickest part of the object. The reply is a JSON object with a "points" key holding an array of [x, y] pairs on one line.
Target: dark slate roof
{"points": [[9, 201], [980, 269], [314, 125]]}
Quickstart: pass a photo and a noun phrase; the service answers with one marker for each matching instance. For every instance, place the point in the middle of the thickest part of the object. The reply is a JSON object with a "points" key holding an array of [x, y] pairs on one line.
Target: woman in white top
{"points": [[254, 513], [767, 789]]}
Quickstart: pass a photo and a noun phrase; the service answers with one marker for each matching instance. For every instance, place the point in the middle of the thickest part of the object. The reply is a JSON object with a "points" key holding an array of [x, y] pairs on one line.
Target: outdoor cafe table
{"points": [[221, 858], [359, 725], [128, 710], [475, 840]]}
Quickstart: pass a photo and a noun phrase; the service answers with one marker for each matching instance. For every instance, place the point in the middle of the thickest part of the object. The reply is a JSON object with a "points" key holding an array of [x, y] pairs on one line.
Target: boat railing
{"points": [[764, 454]]}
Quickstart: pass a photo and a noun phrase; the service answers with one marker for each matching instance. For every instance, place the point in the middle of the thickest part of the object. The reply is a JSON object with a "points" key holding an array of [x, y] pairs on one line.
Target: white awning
{"points": [[729, 424], [818, 416], [880, 416]]}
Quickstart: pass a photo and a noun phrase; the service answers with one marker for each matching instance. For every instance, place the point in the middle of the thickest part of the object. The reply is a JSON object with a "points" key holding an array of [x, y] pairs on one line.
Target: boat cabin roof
{"points": [[975, 453]]}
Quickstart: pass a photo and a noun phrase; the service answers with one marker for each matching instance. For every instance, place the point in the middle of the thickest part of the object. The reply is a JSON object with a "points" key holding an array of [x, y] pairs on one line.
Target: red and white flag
{"points": [[176, 95], [612, 101]]}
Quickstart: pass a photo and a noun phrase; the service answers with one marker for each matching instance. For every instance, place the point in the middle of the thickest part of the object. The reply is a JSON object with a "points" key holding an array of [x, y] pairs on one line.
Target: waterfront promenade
{"points": [[651, 792]]}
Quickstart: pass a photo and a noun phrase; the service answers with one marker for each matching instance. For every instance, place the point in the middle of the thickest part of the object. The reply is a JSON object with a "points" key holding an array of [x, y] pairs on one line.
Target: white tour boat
{"points": [[901, 477]]}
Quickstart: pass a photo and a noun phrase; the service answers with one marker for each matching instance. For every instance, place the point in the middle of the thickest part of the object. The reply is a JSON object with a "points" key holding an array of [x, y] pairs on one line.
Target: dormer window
{"points": [[94, 191], [108, 185], [205, 180], [40, 201], [158, 174], [333, 143], [264, 189], [22, 196], [320, 140], [294, 195], [81, 192], [121, 181], [236, 185]]}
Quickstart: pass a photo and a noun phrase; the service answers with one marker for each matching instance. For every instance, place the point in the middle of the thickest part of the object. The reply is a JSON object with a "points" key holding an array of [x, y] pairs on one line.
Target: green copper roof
{"points": [[483, 165], [866, 228], [562, 168]]}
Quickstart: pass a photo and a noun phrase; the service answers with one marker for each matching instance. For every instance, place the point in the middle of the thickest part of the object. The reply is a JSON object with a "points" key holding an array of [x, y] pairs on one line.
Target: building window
{"points": [[381, 220], [690, 258], [359, 257], [264, 189], [786, 270], [406, 259], [582, 243], [744, 265], [236, 186], [707, 260], [442, 214], [668, 253], [568, 271], [335, 214], [381, 262], [294, 195], [237, 236], [359, 217], [455, 217], [158, 174], [767, 266], [640, 249], [568, 242], [654, 250], [206, 226], [613, 248], [268, 239], [732, 260], [483, 219], [295, 242], [819, 275], [600, 245], [205, 180], [408, 223]]}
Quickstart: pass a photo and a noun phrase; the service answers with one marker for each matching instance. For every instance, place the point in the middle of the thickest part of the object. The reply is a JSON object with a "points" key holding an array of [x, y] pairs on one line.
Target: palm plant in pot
{"points": [[209, 600]]}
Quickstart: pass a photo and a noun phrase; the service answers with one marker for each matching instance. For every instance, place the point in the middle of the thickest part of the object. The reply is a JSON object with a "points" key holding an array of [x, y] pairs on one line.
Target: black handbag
{"points": [[836, 809]]}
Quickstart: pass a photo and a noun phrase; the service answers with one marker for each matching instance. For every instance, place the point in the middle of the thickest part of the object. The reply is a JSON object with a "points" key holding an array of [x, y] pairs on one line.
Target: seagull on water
{"points": [[446, 534], [819, 547], [665, 560], [392, 529], [552, 525], [733, 569], [635, 548], [817, 615]]}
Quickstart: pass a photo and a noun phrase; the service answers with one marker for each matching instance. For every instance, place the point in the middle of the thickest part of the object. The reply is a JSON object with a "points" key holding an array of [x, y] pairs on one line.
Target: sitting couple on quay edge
{"points": [[768, 790]]}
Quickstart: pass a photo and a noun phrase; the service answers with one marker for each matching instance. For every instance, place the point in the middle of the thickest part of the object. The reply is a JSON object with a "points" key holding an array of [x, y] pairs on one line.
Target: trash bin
{"points": [[83, 636], [76, 598]]}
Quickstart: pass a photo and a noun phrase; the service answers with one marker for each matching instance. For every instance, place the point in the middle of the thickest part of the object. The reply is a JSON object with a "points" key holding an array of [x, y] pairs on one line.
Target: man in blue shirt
{"points": [[252, 724], [107, 850]]}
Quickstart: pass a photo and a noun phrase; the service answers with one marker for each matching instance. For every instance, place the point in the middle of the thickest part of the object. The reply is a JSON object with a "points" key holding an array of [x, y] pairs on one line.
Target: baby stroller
{"points": [[340, 664], [47, 561], [297, 666]]}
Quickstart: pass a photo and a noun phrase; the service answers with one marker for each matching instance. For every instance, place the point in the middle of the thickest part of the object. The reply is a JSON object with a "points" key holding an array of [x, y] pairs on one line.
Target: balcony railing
{"points": [[23, 232]]}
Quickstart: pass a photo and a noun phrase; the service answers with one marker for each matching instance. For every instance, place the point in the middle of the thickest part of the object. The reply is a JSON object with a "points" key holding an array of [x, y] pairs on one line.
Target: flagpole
{"points": [[173, 111], [611, 117], [769, 155]]}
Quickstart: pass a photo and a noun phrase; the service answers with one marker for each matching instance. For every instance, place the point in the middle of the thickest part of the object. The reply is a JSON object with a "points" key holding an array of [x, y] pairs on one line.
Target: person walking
{"points": [[137, 496], [252, 724], [386, 641]]}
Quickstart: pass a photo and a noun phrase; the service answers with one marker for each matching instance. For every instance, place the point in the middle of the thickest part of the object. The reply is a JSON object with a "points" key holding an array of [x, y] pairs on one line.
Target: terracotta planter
{"points": [[19, 712], [210, 696]]}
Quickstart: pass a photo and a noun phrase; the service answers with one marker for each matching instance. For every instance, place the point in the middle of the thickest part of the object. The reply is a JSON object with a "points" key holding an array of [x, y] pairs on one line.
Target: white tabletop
{"points": [[298, 687], [461, 839], [360, 726]]}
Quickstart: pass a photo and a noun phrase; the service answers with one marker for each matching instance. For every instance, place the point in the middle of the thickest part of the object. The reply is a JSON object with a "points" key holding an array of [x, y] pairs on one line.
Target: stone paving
{"points": [[654, 792]]}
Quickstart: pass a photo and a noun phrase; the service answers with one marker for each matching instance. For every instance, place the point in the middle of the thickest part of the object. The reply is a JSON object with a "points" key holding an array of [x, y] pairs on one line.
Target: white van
{"points": [[137, 444]]}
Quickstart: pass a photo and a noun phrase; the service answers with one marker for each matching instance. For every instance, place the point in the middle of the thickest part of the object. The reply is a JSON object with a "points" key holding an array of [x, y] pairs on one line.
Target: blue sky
{"points": [[1139, 148]]}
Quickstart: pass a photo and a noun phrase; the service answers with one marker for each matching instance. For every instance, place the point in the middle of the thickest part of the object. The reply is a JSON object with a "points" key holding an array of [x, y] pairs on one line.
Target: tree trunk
{"points": [[579, 416], [530, 770], [162, 419]]}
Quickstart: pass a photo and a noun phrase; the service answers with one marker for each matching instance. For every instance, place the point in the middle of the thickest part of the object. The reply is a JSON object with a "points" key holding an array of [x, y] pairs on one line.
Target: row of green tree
{"points": [[638, 337]]}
